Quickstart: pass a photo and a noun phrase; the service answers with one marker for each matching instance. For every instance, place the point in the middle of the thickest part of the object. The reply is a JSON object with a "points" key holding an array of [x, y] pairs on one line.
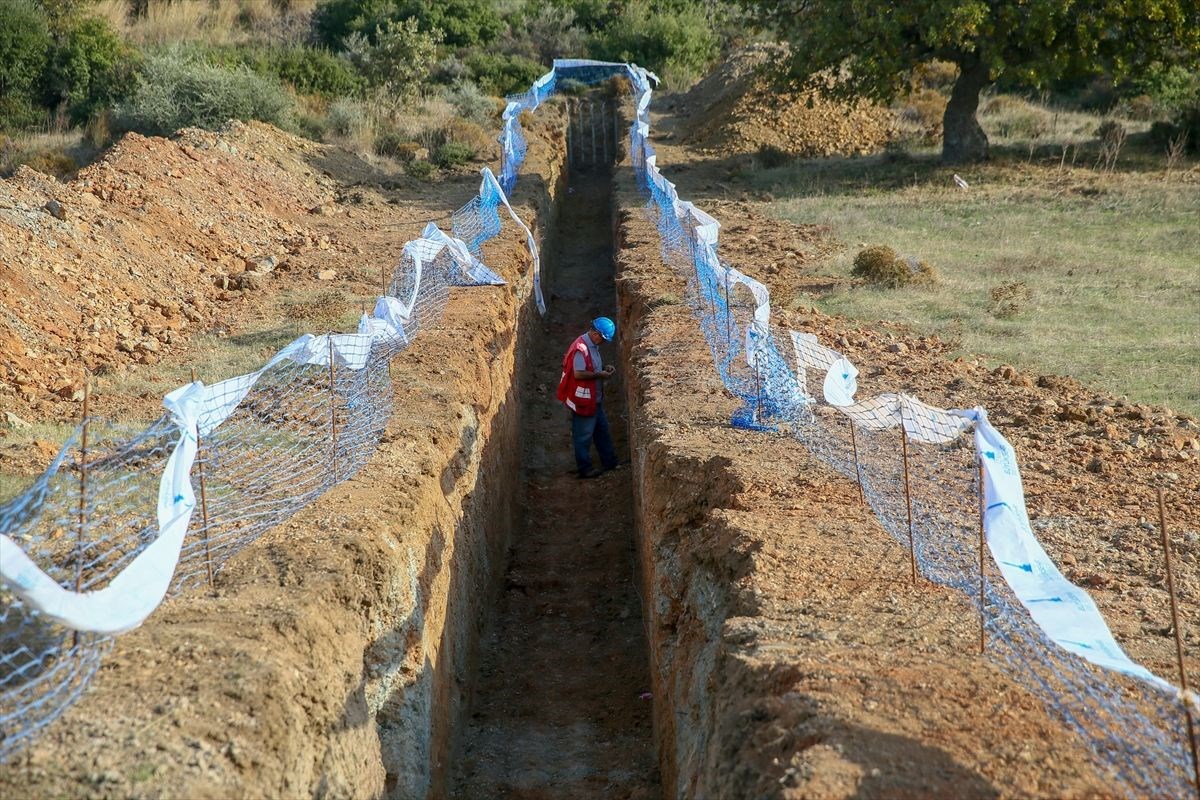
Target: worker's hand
{"points": [[609, 370]]}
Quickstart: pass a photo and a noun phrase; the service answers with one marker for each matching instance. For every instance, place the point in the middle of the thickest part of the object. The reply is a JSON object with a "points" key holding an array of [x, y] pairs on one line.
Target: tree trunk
{"points": [[963, 140]]}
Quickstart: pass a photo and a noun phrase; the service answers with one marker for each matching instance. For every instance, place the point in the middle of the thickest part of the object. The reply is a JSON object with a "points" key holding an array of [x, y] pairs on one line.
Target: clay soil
{"points": [[831, 676], [562, 707]]}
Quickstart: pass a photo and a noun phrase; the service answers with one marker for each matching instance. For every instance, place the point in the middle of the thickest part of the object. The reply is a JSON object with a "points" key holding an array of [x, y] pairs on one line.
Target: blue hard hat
{"points": [[605, 327]]}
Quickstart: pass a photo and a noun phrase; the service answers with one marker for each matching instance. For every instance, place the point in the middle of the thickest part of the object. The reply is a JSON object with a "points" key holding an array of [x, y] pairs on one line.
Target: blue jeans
{"points": [[585, 430]]}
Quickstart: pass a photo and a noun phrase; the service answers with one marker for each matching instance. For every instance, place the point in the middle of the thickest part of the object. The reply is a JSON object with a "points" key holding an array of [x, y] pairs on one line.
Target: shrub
{"points": [[24, 46], [465, 132], [676, 42], [1007, 300], [769, 156], [925, 109], [1015, 118], [472, 104], [325, 309], [465, 23], [176, 92], [394, 144], [503, 74], [398, 62], [90, 69], [311, 70], [879, 265], [453, 154], [347, 117], [421, 170]]}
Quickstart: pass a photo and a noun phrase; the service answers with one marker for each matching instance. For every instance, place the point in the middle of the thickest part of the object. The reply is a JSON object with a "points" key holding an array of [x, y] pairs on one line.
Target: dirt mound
{"points": [[739, 109], [114, 266]]}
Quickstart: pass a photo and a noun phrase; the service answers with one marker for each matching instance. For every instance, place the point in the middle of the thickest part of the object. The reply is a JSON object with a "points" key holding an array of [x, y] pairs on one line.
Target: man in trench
{"points": [[581, 390]]}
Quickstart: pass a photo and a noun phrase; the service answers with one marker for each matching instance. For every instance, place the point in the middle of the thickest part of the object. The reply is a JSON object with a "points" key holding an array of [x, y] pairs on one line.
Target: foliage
{"points": [[421, 170], [675, 40], [309, 70], [90, 69], [881, 266], [464, 23], [175, 91], [502, 74], [347, 117], [1172, 88], [544, 32], [24, 46], [395, 144], [472, 104], [1032, 41], [397, 61], [453, 154]]}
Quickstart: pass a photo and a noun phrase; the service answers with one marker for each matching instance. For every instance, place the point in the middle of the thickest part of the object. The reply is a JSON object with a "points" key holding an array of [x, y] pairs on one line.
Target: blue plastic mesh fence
{"points": [[1134, 729]]}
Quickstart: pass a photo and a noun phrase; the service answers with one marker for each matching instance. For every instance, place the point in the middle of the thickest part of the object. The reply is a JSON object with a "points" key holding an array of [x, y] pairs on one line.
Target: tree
{"points": [[855, 48], [24, 44], [398, 62]]}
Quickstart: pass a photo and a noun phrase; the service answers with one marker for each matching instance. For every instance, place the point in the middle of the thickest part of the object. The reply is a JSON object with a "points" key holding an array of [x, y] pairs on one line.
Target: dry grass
{"points": [[206, 21], [1075, 271]]}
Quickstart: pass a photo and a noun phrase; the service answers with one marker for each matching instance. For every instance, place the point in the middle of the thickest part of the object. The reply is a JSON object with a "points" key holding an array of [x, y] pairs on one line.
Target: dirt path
{"points": [[557, 711]]}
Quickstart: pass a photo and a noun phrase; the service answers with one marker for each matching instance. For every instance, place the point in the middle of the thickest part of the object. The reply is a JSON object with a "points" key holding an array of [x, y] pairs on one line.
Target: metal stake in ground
{"points": [[857, 471], [1187, 709], [81, 534], [592, 122], [728, 315], [912, 549], [616, 118], [333, 408], [203, 501], [982, 508], [757, 389], [570, 136]]}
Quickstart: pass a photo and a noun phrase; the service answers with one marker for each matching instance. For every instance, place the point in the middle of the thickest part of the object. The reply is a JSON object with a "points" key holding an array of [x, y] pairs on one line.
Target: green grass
{"points": [[1112, 261]]}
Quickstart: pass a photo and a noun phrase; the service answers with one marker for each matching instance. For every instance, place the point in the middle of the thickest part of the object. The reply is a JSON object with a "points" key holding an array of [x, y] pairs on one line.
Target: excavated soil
{"points": [[740, 108], [562, 706], [337, 652], [791, 656]]}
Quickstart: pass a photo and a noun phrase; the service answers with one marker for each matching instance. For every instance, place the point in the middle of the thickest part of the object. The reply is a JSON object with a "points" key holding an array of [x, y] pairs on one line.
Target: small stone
{"points": [[250, 281], [1073, 413], [897, 347], [55, 209], [14, 422], [1138, 442], [1044, 408], [327, 275], [263, 266], [1096, 465]]}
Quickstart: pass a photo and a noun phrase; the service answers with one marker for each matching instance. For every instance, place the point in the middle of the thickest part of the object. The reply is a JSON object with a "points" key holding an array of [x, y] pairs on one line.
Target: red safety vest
{"points": [[579, 396]]}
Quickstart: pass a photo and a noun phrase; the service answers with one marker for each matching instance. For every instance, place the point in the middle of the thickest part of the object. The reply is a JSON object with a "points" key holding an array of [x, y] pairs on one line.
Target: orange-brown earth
{"points": [[793, 657]]}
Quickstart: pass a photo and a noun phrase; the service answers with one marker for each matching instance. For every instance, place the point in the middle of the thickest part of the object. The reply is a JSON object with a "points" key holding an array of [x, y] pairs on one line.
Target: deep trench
{"points": [[561, 705]]}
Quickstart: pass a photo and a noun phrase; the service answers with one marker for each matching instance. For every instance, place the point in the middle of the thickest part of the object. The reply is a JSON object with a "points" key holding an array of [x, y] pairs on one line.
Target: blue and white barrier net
{"points": [[69, 586]]}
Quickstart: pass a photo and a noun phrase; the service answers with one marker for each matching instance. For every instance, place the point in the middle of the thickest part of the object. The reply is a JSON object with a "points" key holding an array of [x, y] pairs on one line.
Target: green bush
{"points": [[677, 41], [471, 103], [465, 23], [311, 70], [879, 265], [397, 62], [395, 144], [421, 170], [176, 92], [90, 69], [347, 117], [24, 46], [453, 154], [502, 74]]}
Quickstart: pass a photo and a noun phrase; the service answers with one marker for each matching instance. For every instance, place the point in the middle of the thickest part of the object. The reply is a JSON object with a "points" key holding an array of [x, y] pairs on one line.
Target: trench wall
{"points": [[791, 655], [337, 654]]}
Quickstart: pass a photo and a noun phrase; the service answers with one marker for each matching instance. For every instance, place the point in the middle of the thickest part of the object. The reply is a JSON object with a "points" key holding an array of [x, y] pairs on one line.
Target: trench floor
{"points": [[560, 707]]}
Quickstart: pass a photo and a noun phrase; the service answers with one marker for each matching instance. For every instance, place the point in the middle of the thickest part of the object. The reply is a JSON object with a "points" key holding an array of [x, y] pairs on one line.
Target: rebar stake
{"points": [[1187, 709], [912, 548], [570, 136], [757, 389], [203, 502], [82, 532], [982, 619], [592, 122], [728, 314], [333, 408], [857, 471]]}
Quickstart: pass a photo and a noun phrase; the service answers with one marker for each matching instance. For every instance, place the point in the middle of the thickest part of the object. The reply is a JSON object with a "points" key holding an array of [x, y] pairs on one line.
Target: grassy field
{"points": [[1098, 271]]}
